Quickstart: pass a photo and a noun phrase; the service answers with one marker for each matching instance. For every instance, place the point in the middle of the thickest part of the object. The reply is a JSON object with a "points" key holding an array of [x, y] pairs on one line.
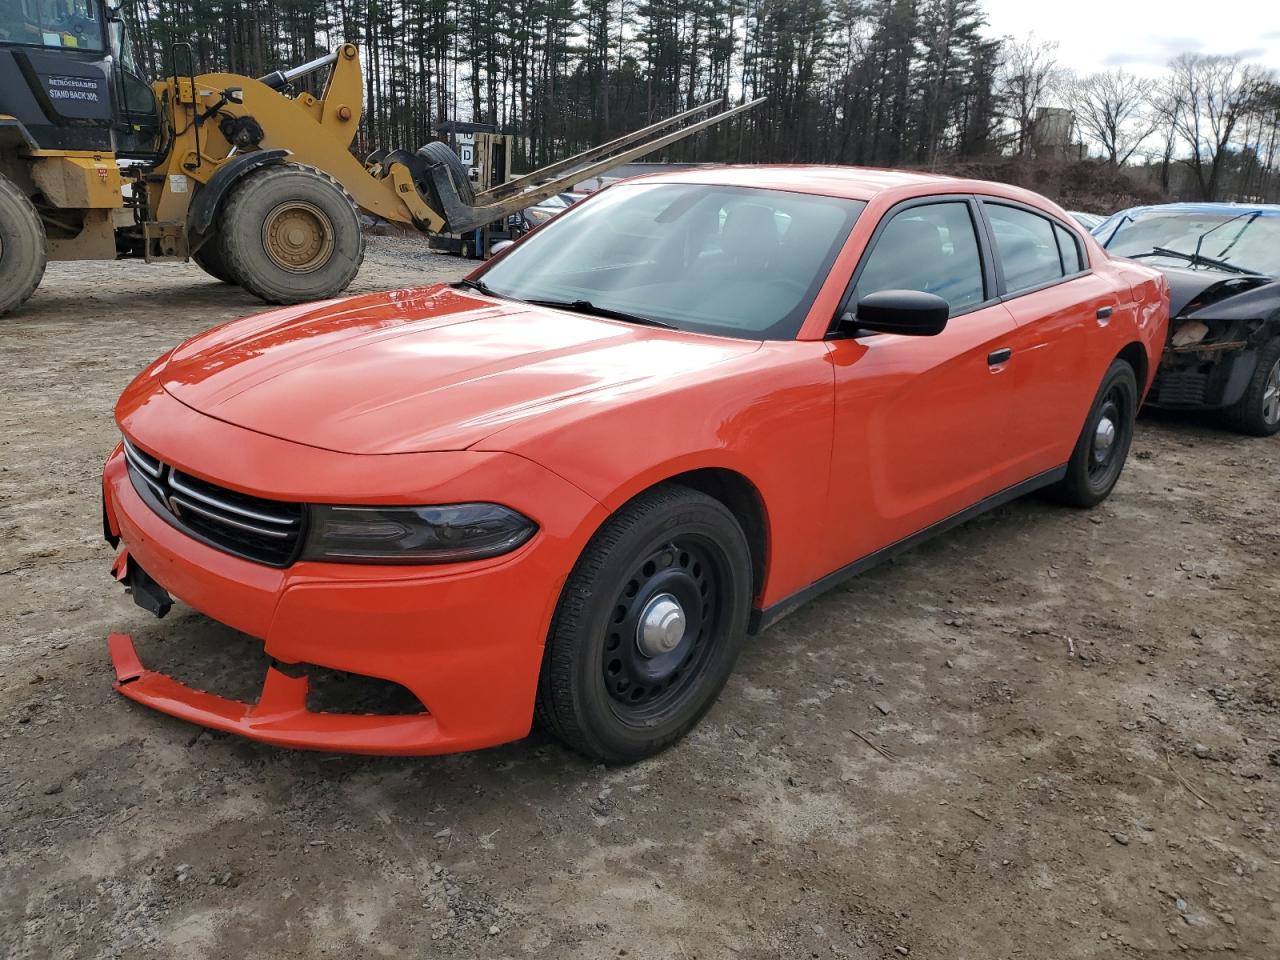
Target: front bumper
{"points": [[279, 717], [465, 639]]}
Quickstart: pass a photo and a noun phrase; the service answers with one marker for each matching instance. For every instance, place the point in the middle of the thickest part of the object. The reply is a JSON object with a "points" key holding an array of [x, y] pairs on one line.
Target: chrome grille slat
{"points": [[253, 528], [143, 462], [175, 482], [219, 518]]}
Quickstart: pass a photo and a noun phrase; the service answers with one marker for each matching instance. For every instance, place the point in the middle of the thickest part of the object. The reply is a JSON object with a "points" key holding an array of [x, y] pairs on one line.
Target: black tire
{"points": [[1095, 466], [316, 261], [671, 543], [438, 152], [209, 259], [1257, 413], [207, 255], [23, 248]]}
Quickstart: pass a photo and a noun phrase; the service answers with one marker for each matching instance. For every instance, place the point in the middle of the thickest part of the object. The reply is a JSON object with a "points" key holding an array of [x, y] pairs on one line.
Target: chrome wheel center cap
{"points": [[661, 626], [1103, 438]]}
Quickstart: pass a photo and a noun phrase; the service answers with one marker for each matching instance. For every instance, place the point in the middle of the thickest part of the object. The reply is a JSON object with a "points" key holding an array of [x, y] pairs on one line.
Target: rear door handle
{"points": [[1104, 313], [997, 357]]}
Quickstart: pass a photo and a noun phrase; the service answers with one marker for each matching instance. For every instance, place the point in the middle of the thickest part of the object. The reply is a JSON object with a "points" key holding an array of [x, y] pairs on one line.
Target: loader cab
{"points": [[138, 112], [69, 80]]}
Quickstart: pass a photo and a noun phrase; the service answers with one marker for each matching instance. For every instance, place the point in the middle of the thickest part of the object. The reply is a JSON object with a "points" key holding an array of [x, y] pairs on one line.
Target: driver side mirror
{"points": [[909, 313]]}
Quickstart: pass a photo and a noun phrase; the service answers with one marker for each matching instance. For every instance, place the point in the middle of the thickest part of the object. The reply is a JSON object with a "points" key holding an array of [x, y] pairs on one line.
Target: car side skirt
{"points": [[762, 619]]}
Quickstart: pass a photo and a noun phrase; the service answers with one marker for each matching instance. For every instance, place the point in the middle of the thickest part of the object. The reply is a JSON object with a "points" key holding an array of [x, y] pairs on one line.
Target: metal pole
{"points": [[512, 186]]}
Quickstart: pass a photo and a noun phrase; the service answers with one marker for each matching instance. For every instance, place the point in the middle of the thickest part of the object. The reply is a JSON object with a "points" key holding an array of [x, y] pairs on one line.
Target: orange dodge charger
{"points": [[571, 484]]}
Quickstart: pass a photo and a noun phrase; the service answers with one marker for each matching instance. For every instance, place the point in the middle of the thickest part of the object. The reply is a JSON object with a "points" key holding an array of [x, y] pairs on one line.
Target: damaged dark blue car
{"points": [[1223, 265]]}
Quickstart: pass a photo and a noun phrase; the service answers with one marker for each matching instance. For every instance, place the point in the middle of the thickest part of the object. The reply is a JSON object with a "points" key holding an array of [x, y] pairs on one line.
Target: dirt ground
{"points": [[1077, 716]]}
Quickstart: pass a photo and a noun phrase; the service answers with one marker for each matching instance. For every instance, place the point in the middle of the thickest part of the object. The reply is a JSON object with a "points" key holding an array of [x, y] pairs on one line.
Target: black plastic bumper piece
{"points": [[147, 594]]}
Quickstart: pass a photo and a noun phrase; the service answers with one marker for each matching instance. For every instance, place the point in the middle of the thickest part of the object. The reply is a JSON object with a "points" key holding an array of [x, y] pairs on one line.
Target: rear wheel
{"points": [[289, 233], [1103, 445], [23, 249], [1258, 412], [648, 626]]}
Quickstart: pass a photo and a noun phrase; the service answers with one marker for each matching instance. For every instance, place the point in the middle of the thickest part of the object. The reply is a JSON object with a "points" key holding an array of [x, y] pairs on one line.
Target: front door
{"points": [[921, 423]]}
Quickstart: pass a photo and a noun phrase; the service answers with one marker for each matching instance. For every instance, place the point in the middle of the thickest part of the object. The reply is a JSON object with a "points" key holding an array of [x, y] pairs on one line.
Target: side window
{"points": [[1069, 248], [1027, 247], [931, 247]]}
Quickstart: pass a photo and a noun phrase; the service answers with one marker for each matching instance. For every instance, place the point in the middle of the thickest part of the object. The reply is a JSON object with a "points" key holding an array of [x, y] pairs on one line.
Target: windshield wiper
{"points": [[479, 285], [1192, 258], [589, 308]]}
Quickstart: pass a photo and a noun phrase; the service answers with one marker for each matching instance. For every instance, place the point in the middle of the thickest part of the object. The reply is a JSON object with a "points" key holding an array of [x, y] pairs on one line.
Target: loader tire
{"points": [[438, 152], [289, 234], [23, 249], [209, 259]]}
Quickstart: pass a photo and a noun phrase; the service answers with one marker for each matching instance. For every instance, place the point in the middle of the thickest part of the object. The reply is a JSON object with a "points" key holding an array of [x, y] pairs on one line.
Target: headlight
{"points": [[446, 534]]}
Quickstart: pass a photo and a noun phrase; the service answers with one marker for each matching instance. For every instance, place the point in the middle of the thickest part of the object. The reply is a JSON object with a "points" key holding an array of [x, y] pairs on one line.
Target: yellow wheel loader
{"points": [[253, 179]]}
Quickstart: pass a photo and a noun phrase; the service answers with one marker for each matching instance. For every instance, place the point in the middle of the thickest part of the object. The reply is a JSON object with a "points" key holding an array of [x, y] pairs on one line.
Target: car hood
{"points": [[420, 370], [1193, 290]]}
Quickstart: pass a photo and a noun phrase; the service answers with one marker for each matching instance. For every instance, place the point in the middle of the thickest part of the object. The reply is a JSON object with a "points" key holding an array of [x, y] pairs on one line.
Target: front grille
{"points": [[265, 531]]}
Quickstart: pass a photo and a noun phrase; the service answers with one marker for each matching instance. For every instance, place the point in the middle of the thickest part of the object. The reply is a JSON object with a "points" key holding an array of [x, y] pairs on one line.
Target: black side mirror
{"points": [[911, 313]]}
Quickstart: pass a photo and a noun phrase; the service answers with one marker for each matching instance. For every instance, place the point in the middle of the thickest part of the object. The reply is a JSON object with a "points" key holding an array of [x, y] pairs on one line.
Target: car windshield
{"points": [[734, 261], [52, 23], [1242, 238]]}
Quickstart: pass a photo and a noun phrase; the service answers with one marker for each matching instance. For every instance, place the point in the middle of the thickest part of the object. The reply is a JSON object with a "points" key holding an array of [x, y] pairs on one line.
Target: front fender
{"points": [[209, 197]]}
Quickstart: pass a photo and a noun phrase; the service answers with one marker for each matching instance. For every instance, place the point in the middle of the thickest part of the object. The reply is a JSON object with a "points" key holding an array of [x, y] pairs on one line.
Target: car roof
{"points": [[854, 183], [1266, 209]]}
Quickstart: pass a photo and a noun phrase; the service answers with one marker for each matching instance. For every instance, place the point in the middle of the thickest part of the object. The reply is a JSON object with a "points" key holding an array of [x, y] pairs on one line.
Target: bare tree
{"points": [[1208, 97], [1113, 109], [1025, 79]]}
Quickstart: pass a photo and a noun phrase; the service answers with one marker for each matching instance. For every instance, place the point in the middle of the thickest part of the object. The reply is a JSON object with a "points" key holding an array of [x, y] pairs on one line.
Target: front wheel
{"points": [[1258, 412], [290, 233], [1103, 445], [648, 627]]}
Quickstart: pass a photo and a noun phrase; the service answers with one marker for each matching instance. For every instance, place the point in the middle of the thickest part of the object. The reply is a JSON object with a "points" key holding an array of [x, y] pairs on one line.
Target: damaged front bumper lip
{"points": [[280, 717]]}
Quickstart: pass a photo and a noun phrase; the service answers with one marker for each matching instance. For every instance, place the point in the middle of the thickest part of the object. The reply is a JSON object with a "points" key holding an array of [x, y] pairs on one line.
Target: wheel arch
{"points": [[1135, 354], [744, 501], [731, 487]]}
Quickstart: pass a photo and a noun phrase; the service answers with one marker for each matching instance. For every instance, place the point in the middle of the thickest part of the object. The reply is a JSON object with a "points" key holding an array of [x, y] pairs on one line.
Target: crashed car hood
{"points": [[1188, 289], [418, 370]]}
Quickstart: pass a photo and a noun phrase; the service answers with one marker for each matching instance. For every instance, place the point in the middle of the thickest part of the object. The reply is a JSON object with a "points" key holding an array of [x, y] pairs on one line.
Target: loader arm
{"points": [[460, 217]]}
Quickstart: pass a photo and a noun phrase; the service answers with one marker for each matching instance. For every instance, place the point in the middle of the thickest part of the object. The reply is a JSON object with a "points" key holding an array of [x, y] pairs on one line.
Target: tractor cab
{"points": [[69, 78]]}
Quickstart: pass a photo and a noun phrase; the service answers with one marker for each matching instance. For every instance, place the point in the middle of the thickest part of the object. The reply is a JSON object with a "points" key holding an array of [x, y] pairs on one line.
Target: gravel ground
{"points": [[1047, 734]]}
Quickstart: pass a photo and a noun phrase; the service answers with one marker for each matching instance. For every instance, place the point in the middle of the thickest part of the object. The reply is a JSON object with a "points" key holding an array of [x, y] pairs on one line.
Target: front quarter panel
{"points": [[766, 416]]}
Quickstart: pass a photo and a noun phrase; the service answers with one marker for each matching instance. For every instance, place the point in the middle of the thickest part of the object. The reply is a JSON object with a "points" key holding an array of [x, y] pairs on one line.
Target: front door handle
{"points": [[997, 357], [1104, 313]]}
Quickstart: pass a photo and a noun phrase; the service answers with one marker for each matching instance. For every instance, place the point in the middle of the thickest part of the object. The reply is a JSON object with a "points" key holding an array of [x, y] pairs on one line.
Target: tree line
{"points": [[878, 82]]}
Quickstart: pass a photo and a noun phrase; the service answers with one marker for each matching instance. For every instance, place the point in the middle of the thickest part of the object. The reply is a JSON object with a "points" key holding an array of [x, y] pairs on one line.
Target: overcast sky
{"points": [[1143, 35]]}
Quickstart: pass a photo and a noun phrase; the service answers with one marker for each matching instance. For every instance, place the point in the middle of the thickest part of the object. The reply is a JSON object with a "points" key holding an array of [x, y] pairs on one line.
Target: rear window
{"points": [[1027, 246]]}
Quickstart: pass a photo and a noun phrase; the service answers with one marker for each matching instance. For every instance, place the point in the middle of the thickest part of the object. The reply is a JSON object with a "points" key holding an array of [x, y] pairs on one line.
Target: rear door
{"points": [[921, 423], [1057, 302]]}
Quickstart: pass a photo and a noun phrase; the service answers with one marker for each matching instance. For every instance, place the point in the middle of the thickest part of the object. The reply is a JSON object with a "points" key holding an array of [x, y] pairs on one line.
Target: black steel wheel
{"points": [[663, 620], [648, 626], [1103, 446]]}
